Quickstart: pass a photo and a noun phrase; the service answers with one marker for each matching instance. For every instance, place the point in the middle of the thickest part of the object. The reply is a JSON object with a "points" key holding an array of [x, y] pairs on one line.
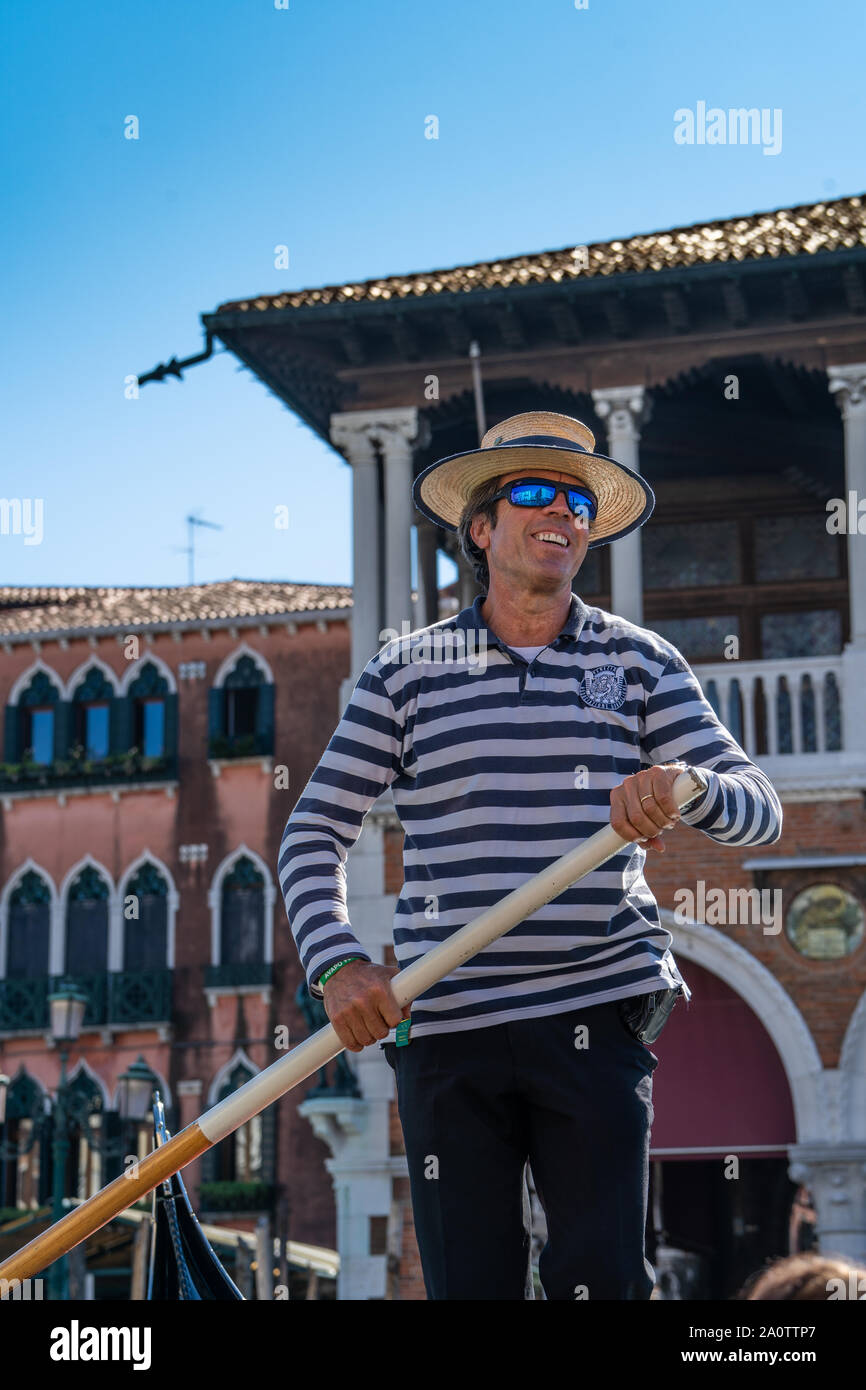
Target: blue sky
{"points": [[305, 127]]}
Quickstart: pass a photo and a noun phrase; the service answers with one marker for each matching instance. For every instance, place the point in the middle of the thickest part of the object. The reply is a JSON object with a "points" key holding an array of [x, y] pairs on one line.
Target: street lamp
{"points": [[67, 1006], [135, 1090]]}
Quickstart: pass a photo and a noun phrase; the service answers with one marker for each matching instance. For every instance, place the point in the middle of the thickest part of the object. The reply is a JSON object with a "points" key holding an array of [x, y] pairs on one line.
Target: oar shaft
{"points": [[229, 1114], [82, 1221]]}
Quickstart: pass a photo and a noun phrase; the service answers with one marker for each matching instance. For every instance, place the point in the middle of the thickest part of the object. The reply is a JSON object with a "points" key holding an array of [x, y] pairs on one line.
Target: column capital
{"points": [[848, 384], [625, 408], [395, 429]]}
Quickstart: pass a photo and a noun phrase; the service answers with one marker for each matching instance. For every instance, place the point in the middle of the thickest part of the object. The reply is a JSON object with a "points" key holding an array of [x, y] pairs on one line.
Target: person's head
{"points": [[809, 1277], [506, 541]]}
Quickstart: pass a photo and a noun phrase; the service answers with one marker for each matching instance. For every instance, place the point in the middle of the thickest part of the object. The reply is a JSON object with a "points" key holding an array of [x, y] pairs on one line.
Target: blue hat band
{"points": [[552, 440]]}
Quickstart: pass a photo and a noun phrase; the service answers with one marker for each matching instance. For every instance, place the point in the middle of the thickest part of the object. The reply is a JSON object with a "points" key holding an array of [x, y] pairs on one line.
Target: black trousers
{"points": [[572, 1095]]}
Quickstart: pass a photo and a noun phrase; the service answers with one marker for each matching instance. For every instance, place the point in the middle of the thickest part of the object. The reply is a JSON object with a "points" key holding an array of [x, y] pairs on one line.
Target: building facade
{"points": [[727, 363], [155, 741]]}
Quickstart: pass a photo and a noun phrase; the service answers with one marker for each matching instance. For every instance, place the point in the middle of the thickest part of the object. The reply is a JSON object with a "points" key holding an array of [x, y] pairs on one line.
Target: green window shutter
{"points": [[64, 728], [170, 749], [112, 1129], [11, 748], [216, 712], [265, 719], [46, 1160], [120, 724], [210, 1165], [269, 1141]]}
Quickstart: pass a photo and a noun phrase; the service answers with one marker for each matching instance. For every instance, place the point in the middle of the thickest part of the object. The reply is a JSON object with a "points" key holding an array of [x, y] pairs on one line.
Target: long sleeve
{"points": [[359, 763], [741, 806]]}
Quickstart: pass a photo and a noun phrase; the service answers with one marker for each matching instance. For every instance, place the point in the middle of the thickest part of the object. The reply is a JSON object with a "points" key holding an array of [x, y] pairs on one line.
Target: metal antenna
{"points": [[189, 550]]}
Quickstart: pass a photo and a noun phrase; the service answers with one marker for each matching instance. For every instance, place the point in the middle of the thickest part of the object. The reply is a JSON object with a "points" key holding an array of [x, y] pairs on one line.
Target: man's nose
{"points": [[559, 505]]}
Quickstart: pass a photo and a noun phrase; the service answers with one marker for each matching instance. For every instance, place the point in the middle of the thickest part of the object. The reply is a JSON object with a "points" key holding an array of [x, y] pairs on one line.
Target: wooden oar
{"points": [[319, 1049]]}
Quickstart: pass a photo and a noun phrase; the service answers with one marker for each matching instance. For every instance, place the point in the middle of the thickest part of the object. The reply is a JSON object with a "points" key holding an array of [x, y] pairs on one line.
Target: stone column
{"points": [[396, 431], [361, 436], [836, 1178], [848, 384], [625, 409], [428, 584], [350, 433], [467, 585], [357, 1130]]}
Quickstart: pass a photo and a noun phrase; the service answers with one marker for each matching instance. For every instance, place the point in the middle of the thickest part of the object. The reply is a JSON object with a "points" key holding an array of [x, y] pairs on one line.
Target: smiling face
{"points": [[516, 549]]}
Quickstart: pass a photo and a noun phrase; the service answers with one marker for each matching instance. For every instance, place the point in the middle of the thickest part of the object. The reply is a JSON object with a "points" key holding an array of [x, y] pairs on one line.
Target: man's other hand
{"points": [[360, 1004], [642, 806]]}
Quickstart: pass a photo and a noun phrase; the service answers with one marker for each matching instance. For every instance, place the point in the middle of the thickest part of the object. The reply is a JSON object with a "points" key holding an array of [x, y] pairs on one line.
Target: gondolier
{"points": [[562, 718]]}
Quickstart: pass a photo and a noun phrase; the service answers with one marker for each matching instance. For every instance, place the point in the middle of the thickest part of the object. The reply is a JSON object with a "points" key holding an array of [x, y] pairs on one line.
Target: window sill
{"points": [[238, 979], [167, 785], [264, 760]]}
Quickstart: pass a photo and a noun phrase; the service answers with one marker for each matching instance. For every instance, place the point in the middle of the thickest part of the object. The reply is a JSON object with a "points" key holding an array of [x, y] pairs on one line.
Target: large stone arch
{"points": [[814, 1112], [852, 1074]]}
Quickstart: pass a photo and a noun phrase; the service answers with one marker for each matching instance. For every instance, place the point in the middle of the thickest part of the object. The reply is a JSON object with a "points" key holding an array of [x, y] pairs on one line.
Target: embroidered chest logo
{"points": [[604, 688]]}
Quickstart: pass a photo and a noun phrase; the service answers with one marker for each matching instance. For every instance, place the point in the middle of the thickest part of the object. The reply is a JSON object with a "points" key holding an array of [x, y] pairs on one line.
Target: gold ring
{"points": [[647, 798]]}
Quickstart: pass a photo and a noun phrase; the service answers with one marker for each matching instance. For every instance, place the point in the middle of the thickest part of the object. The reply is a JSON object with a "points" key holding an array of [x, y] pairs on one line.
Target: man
{"points": [[529, 1051]]}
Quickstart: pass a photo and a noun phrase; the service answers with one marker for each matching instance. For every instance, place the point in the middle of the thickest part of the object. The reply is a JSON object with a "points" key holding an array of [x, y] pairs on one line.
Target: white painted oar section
{"points": [[306, 1059]]}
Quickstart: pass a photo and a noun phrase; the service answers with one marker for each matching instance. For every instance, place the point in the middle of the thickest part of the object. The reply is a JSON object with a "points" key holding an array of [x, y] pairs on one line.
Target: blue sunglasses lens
{"points": [[542, 494]]}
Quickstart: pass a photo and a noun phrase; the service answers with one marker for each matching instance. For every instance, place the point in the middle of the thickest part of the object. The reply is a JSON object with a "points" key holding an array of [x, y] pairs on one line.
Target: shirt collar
{"points": [[470, 619]]}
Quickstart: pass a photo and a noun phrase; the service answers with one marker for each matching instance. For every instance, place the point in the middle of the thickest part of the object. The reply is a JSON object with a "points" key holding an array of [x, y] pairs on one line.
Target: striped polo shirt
{"points": [[497, 767]]}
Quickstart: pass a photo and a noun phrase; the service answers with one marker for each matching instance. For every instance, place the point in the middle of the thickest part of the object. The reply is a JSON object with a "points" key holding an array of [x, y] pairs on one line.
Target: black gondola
{"points": [[183, 1263]]}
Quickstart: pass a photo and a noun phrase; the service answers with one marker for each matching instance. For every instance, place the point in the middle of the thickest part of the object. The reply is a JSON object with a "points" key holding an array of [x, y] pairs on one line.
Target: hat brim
{"points": [[625, 499]]}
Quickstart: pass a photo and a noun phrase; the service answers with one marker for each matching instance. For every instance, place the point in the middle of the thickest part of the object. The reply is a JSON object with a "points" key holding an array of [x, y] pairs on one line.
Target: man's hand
{"points": [[359, 1002], [642, 807]]}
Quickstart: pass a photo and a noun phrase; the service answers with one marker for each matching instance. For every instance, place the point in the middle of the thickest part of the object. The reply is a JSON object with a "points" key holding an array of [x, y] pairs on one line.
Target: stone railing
{"points": [[774, 708]]}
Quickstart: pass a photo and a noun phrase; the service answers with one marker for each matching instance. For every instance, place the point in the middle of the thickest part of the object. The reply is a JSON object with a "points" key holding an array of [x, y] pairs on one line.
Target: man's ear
{"points": [[481, 523]]}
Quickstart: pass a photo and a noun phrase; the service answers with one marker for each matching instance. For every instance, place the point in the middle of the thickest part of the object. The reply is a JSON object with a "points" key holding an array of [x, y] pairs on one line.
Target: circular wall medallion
{"points": [[825, 922]]}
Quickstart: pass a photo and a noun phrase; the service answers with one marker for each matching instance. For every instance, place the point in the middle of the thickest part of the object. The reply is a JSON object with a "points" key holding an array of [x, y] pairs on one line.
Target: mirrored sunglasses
{"points": [[540, 492]]}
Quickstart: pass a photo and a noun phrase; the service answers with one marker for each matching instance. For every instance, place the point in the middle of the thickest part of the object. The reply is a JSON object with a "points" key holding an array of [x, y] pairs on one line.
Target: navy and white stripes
{"points": [[497, 767]]}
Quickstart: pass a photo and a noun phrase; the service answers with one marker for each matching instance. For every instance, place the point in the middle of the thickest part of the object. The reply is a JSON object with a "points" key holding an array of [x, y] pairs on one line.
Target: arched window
{"points": [[92, 704], [32, 723], [145, 929], [87, 923], [246, 1156], [240, 1158], [85, 1166], [29, 928], [23, 1170], [242, 915], [242, 712], [151, 708]]}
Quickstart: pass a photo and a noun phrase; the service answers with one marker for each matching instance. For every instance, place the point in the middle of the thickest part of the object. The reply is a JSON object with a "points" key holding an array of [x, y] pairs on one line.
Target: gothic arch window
{"points": [[242, 710], [28, 928], [247, 1154], [87, 912], [33, 726], [24, 1162], [91, 721], [85, 1167], [242, 914], [149, 719], [241, 1157], [145, 921]]}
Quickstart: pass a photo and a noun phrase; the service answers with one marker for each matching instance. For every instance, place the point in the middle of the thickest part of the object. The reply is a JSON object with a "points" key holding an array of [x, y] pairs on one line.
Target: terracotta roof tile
{"points": [[795, 231], [35, 612]]}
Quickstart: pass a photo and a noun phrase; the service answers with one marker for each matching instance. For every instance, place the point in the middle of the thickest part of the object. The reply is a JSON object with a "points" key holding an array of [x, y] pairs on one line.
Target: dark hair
{"points": [[479, 504]]}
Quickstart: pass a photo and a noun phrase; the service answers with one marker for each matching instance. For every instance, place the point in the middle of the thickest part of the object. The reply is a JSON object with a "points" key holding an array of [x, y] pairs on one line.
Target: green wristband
{"points": [[332, 970]]}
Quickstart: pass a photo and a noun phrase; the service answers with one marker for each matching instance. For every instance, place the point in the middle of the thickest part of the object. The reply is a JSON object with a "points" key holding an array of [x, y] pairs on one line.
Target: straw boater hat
{"points": [[538, 439]]}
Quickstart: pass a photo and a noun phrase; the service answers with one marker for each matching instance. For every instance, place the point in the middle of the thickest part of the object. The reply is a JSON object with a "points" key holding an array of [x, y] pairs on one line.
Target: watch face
{"points": [[825, 922]]}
